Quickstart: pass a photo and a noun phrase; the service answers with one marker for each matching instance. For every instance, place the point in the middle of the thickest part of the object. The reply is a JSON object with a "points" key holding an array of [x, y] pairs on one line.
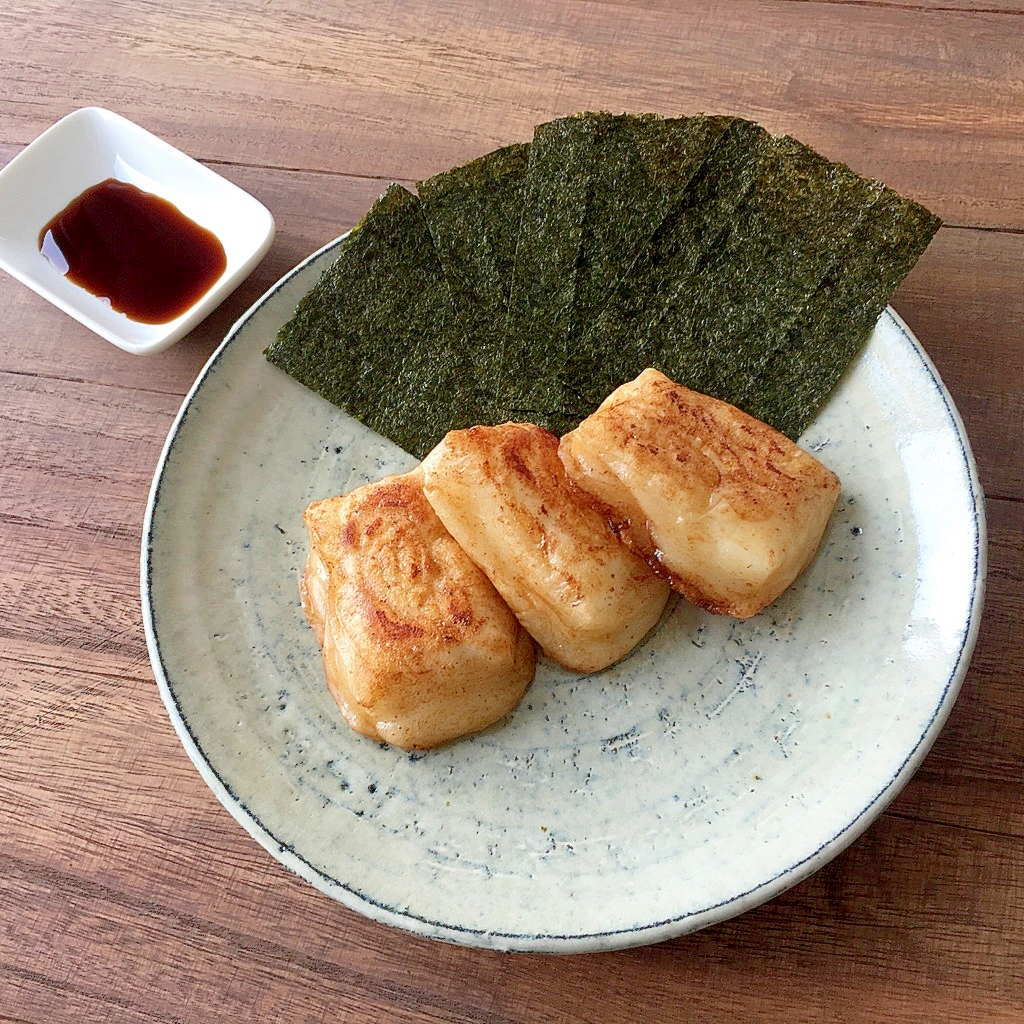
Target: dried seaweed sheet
{"points": [[798, 377], [473, 213], [550, 233], [644, 165], [378, 335], [597, 188], [629, 329], [718, 291]]}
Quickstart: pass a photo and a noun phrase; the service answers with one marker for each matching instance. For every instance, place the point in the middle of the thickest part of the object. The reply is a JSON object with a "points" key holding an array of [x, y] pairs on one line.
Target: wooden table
{"points": [[127, 893]]}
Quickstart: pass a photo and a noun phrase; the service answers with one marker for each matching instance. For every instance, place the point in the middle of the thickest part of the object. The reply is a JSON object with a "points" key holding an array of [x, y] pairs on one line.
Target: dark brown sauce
{"points": [[135, 249]]}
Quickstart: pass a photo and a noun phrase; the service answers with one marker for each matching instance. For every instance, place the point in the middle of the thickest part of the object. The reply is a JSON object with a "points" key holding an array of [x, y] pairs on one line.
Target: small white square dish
{"points": [[86, 148]]}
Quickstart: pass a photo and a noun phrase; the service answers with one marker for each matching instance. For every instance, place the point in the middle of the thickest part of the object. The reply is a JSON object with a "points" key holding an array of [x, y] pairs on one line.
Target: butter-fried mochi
{"points": [[503, 494], [729, 510], [418, 646]]}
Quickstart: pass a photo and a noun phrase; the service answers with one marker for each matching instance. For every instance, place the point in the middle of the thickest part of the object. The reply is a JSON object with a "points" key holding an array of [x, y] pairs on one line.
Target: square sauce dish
{"points": [[125, 233]]}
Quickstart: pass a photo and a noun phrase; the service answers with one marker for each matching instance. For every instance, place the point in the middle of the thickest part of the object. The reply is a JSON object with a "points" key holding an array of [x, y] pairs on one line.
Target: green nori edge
{"points": [[715, 296], [378, 335], [800, 375], [473, 213], [743, 265], [597, 188]]}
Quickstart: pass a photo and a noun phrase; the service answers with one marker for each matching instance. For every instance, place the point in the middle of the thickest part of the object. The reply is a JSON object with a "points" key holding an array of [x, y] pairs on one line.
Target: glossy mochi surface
{"points": [[728, 508], [504, 495], [418, 647]]}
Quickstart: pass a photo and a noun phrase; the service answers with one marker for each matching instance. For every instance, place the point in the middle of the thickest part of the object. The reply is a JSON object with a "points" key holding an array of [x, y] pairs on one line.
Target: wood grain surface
{"points": [[127, 893]]}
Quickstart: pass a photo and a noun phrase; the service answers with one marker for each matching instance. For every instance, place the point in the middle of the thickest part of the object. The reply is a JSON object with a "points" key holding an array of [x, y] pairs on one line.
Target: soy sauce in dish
{"points": [[135, 249]]}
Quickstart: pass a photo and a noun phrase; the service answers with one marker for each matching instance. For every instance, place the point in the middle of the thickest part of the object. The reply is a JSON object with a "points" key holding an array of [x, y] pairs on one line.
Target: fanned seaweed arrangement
{"points": [[715, 296], [531, 282]]}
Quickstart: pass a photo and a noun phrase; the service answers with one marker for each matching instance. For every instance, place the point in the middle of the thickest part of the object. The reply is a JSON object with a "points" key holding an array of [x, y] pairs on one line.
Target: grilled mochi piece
{"points": [[503, 494], [727, 508], [418, 646]]}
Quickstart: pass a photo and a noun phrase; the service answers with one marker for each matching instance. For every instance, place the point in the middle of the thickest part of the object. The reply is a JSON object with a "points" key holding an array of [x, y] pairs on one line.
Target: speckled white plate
{"points": [[719, 764]]}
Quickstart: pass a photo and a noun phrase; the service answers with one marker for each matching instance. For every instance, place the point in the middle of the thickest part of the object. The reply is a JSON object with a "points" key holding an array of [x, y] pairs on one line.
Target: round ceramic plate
{"points": [[717, 765]]}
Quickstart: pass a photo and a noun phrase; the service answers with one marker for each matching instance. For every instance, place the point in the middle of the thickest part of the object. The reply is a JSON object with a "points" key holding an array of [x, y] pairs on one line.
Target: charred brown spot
{"points": [[394, 629], [458, 622], [515, 462], [395, 494], [461, 616]]}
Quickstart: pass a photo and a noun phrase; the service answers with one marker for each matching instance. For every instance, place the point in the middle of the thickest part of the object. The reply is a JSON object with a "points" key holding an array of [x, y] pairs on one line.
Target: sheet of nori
{"points": [[834, 324], [598, 186], [644, 164], [562, 156], [727, 273], [473, 213], [378, 335], [628, 330]]}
